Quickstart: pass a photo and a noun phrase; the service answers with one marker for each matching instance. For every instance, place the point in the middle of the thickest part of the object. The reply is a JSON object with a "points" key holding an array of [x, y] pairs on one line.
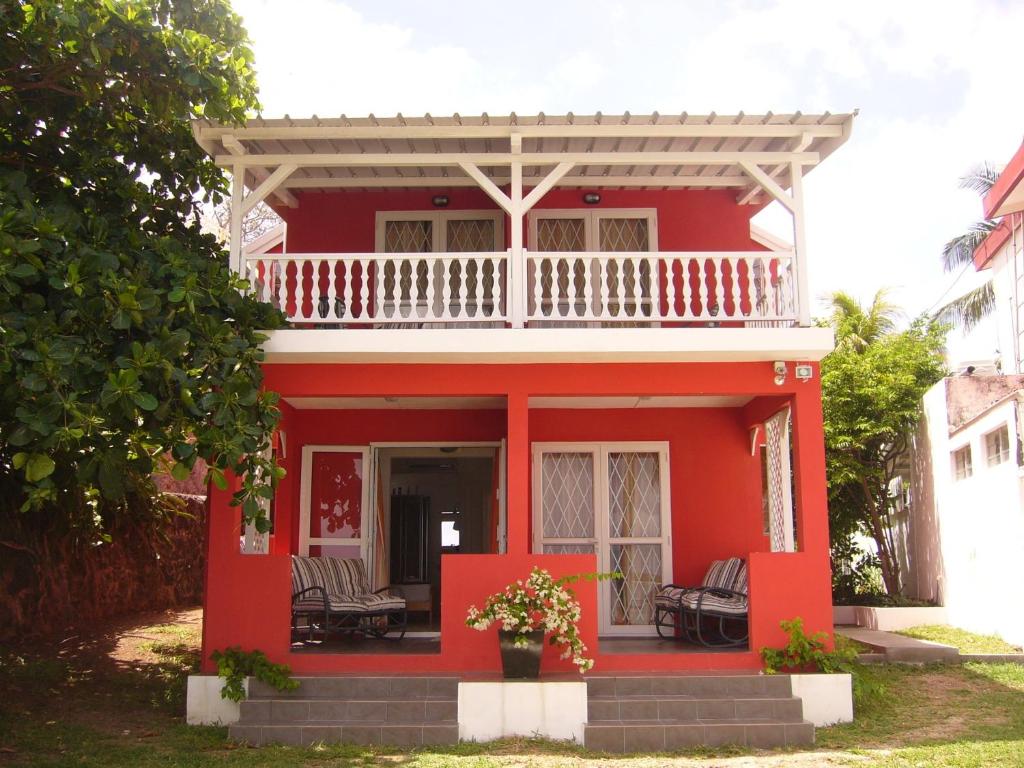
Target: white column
{"points": [[235, 243], [517, 269], [800, 244]]}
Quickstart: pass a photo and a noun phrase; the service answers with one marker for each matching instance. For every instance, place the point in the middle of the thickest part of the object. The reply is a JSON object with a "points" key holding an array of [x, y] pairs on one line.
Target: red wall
{"points": [[343, 221]]}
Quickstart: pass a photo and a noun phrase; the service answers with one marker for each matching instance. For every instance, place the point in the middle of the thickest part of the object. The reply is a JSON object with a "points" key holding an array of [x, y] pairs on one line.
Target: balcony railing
{"points": [[558, 289]]}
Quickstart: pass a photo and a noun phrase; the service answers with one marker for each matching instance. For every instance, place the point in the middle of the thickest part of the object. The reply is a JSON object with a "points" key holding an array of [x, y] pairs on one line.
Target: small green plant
{"points": [[806, 652], [234, 665]]}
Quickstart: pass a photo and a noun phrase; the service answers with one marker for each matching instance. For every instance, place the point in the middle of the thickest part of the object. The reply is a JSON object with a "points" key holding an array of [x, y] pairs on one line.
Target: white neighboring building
{"points": [[965, 539]]}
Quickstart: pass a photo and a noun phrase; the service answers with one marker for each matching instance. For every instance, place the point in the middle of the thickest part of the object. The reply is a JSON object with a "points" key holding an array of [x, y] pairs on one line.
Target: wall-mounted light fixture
{"points": [[780, 372], [804, 372], [440, 201], [591, 198]]}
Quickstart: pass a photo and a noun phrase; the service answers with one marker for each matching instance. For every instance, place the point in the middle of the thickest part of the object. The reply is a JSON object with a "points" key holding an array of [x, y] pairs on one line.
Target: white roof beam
{"points": [[489, 187], [399, 159], [271, 183], [371, 182], [622, 130]]}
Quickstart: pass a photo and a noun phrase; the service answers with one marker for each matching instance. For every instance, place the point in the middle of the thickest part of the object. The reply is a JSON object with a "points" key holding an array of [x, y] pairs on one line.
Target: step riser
{"points": [[319, 711], [308, 735], [785, 710], [657, 738], [739, 686], [361, 688]]}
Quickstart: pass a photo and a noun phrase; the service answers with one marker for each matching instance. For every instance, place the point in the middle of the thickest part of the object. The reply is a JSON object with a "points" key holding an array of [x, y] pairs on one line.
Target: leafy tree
{"points": [[872, 385], [971, 308], [125, 342]]}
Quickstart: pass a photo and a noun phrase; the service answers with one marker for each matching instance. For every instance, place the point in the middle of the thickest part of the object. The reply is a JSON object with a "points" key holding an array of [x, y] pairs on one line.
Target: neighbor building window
{"points": [[962, 466], [997, 446]]}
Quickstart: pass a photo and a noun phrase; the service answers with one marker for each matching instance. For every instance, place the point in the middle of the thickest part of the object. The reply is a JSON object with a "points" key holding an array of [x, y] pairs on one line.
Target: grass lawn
{"points": [[967, 642], [116, 699]]}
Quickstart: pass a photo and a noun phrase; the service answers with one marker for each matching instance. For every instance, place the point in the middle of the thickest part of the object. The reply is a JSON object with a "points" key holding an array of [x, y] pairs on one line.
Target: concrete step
{"points": [[658, 736], [367, 733], [898, 648], [785, 709], [347, 711], [351, 687], [702, 686]]}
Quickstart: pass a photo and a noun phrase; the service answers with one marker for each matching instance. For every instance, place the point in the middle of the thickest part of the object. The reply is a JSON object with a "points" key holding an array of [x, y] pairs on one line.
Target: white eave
{"points": [[548, 345], [609, 151]]}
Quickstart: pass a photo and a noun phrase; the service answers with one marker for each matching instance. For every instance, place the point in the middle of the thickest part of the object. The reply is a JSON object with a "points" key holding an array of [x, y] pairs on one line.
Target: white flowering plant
{"points": [[539, 603]]}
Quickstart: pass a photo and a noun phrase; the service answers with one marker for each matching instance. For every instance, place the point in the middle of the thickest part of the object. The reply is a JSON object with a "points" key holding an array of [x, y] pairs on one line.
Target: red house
{"points": [[521, 341]]}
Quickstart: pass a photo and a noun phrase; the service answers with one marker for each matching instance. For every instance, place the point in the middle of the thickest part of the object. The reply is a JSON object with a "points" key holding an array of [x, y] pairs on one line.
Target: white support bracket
{"points": [[271, 183], [237, 149], [488, 186], [767, 183], [546, 184], [801, 143]]}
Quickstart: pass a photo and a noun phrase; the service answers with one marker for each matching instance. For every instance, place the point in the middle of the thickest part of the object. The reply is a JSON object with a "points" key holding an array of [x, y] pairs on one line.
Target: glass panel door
{"points": [[636, 536], [612, 499], [334, 499]]}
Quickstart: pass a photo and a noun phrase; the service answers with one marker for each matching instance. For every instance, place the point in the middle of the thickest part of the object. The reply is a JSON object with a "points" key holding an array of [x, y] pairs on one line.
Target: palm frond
{"points": [[857, 326], [970, 309], [959, 251], [981, 178]]}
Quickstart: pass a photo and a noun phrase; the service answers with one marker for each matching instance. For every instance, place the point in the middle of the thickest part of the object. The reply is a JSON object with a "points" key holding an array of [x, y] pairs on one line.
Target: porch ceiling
{"points": [[645, 151]]}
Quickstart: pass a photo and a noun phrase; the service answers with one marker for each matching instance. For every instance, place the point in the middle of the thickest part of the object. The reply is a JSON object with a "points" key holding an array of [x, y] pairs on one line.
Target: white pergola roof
{"points": [[752, 153]]}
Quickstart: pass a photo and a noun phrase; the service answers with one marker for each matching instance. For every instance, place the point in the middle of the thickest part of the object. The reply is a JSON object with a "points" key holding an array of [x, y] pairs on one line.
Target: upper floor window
{"points": [[606, 230], [962, 464], [440, 231], [997, 446]]}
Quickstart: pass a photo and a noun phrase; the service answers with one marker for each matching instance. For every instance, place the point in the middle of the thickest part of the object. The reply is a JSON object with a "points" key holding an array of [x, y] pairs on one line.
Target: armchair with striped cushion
{"points": [[333, 594], [713, 614]]}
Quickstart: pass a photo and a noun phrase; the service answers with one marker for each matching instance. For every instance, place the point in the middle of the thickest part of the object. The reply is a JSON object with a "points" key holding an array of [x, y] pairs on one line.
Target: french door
{"points": [[335, 501], [611, 499]]}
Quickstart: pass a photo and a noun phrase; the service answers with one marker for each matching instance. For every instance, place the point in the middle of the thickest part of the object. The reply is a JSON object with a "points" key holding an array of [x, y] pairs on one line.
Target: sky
{"points": [[934, 82]]}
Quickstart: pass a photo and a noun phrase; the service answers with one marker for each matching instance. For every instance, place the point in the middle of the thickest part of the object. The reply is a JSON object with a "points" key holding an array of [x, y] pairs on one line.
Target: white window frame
{"points": [[969, 465], [439, 228], [591, 223], [306, 492], [1002, 456], [602, 540]]}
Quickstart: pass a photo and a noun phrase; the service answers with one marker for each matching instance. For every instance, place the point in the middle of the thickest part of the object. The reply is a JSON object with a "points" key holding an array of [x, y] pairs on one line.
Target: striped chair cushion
{"points": [[336, 604], [668, 597], [734, 605], [740, 585], [722, 573], [383, 601], [350, 574]]}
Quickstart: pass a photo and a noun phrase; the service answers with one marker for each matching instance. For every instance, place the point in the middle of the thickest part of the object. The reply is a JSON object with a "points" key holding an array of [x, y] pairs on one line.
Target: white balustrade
{"points": [[752, 288], [744, 287], [382, 288]]}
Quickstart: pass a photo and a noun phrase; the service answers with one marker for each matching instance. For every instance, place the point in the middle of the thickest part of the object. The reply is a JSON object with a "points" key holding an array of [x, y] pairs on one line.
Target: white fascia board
{"points": [[548, 345]]}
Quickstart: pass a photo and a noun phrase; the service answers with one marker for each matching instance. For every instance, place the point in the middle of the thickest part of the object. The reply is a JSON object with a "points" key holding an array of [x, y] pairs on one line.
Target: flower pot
{"points": [[521, 663]]}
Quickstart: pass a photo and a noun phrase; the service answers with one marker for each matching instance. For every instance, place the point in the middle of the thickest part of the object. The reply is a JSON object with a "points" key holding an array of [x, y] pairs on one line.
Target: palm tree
{"points": [[969, 309], [858, 327]]}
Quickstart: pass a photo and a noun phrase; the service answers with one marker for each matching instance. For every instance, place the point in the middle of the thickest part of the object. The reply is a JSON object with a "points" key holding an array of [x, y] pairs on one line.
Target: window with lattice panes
{"points": [[997, 446], [963, 466]]}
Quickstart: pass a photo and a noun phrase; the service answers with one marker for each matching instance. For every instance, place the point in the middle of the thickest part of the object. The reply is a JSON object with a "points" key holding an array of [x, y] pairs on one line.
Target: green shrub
{"points": [[234, 665], [806, 652]]}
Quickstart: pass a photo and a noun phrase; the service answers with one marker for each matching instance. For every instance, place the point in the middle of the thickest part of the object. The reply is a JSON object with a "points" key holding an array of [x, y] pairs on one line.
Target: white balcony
{"points": [[578, 289]]}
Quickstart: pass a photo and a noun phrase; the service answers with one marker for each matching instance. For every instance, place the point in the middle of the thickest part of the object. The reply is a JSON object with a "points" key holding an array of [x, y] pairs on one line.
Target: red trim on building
{"points": [[1005, 186]]}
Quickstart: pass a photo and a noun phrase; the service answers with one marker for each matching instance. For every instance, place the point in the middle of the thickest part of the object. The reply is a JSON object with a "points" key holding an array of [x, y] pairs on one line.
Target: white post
{"points": [[235, 242], [800, 244], [517, 278]]}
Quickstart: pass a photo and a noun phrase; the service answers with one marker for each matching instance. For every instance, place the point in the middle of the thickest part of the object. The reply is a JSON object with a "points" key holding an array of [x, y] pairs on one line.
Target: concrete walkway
{"points": [[894, 647]]}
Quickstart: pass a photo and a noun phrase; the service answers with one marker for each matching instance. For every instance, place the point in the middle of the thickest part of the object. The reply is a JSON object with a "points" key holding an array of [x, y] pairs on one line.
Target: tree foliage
{"points": [[124, 338], [872, 385]]}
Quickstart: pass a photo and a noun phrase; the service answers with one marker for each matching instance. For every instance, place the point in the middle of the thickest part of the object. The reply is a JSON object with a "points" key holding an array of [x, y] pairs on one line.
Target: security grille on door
{"points": [[561, 235], [470, 235], [624, 235], [568, 484], [780, 479]]}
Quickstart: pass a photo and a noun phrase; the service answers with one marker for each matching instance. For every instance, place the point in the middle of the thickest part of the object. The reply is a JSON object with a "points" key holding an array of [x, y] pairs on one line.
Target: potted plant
{"points": [[525, 612]]}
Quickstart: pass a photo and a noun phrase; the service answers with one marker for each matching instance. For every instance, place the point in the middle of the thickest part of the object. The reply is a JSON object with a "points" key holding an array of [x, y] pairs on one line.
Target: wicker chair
{"points": [[713, 614], [332, 594]]}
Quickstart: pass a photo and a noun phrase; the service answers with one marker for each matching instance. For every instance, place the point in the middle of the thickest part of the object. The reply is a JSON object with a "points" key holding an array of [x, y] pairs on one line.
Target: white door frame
{"points": [[306, 492], [602, 540], [591, 223]]}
